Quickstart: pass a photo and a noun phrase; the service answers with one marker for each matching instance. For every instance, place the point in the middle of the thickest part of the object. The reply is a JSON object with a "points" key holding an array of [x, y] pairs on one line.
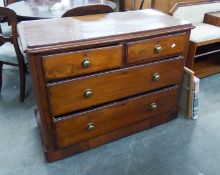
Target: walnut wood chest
{"points": [[100, 78]]}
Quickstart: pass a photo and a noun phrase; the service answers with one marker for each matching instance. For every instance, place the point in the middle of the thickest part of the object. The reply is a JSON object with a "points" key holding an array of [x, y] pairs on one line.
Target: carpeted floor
{"points": [[180, 147]]}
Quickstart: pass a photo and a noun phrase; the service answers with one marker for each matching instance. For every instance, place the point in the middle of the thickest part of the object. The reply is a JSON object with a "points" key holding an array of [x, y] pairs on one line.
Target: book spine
{"points": [[195, 98]]}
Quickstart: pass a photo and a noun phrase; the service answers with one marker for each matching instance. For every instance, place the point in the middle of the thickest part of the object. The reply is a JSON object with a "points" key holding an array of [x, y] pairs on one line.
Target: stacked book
{"points": [[189, 95], [195, 98]]}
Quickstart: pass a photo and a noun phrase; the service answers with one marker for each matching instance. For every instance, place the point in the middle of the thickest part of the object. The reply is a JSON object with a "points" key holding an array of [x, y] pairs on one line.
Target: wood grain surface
{"points": [[68, 96], [71, 64], [74, 129]]}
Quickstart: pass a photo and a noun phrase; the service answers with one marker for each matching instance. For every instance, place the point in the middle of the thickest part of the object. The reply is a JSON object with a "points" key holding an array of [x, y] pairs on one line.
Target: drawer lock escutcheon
{"points": [[156, 77], [86, 63], [88, 93], [157, 49], [90, 126], [153, 106]]}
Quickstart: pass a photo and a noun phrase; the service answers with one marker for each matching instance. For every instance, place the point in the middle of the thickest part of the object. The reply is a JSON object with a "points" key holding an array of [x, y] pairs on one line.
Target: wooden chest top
{"points": [[114, 26]]}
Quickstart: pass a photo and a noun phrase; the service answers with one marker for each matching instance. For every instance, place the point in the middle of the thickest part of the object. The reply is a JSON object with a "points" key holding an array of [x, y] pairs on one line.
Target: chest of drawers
{"points": [[100, 78]]}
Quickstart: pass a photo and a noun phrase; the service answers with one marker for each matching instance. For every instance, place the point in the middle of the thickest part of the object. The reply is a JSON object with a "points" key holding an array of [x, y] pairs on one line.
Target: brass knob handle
{"points": [[157, 48], [86, 63], [88, 93], [156, 77], [90, 126], [153, 106]]}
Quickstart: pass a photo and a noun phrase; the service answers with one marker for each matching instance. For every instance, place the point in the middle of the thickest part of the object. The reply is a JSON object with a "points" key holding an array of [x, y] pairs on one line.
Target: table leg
{"points": [[121, 5], [133, 4]]}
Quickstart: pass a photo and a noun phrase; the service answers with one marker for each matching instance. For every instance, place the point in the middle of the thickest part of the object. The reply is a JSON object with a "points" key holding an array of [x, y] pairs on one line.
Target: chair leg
{"points": [[141, 6], [1, 65], [26, 69], [22, 82], [133, 4], [121, 5]]}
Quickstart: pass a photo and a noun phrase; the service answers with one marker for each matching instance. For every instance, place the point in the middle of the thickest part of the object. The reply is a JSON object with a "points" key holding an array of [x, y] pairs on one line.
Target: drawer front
{"points": [[147, 50], [76, 94], [83, 126], [82, 62]]}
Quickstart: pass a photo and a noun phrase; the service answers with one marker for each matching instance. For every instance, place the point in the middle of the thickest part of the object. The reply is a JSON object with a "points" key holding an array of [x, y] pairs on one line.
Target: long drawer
{"points": [[81, 62], [76, 94], [83, 126], [148, 50]]}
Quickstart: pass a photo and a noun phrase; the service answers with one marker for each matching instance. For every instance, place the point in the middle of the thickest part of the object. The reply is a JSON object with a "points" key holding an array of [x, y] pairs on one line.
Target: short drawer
{"points": [[82, 62], [76, 94], [83, 126], [147, 50]]}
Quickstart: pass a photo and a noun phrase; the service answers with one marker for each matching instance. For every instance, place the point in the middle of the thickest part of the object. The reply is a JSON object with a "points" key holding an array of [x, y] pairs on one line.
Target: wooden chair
{"points": [[88, 10], [10, 53], [7, 30]]}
